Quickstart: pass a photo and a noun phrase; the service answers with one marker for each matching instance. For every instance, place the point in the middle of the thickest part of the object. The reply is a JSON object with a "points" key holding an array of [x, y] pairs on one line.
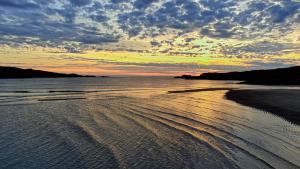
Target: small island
{"points": [[18, 73], [281, 76]]}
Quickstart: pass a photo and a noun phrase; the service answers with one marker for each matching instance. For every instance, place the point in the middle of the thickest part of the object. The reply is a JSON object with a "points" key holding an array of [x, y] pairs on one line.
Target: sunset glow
{"points": [[154, 37]]}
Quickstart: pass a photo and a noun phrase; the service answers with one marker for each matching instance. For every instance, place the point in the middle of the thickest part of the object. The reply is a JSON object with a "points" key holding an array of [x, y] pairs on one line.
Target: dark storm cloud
{"points": [[96, 21]]}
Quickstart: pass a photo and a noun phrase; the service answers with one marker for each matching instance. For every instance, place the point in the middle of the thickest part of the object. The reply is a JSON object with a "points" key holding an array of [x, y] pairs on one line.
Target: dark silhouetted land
{"points": [[199, 90], [14, 73], [282, 76], [284, 103]]}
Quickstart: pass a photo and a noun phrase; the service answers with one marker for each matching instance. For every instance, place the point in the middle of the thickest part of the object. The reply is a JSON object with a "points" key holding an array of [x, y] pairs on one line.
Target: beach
{"points": [[284, 103], [159, 122]]}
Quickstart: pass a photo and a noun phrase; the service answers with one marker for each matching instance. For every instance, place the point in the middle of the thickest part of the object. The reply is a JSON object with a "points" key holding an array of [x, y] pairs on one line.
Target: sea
{"points": [[138, 123]]}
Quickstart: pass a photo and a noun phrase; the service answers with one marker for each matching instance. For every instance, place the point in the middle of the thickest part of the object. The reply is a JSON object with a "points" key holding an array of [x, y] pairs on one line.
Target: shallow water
{"points": [[131, 122]]}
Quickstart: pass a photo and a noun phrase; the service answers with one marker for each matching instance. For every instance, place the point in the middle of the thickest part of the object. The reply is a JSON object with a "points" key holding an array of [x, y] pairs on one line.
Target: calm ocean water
{"points": [[134, 122]]}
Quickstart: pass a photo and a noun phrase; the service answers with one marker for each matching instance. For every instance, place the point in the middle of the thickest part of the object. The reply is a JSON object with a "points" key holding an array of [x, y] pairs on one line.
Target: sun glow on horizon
{"points": [[150, 38]]}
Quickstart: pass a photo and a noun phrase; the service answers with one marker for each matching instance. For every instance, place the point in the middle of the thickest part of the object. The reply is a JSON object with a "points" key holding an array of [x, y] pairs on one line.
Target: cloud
{"points": [[80, 2], [259, 64], [279, 13], [96, 22], [210, 17], [142, 4], [22, 4], [260, 49]]}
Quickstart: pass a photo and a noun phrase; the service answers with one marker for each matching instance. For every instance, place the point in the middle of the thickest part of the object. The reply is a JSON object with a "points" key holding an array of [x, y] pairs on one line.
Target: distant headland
{"points": [[281, 76], [18, 73]]}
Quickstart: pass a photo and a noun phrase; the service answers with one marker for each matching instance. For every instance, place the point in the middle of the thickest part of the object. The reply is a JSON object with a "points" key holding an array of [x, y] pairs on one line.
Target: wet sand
{"points": [[284, 103]]}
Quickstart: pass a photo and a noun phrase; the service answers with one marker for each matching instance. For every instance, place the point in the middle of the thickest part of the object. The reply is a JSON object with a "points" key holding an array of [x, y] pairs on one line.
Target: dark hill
{"points": [[12, 72], [282, 76]]}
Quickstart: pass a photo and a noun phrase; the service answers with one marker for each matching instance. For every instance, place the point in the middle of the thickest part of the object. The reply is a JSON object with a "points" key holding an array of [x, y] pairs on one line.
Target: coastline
{"points": [[281, 102], [279, 76], [20, 73]]}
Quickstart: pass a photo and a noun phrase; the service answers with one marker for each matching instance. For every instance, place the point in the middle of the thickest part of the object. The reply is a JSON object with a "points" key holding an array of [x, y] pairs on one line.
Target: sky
{"points": [[149, 37]]}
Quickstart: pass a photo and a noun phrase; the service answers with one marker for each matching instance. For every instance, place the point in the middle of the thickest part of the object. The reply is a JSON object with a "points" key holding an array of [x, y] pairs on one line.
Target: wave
{"points": [[118, 130]]}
